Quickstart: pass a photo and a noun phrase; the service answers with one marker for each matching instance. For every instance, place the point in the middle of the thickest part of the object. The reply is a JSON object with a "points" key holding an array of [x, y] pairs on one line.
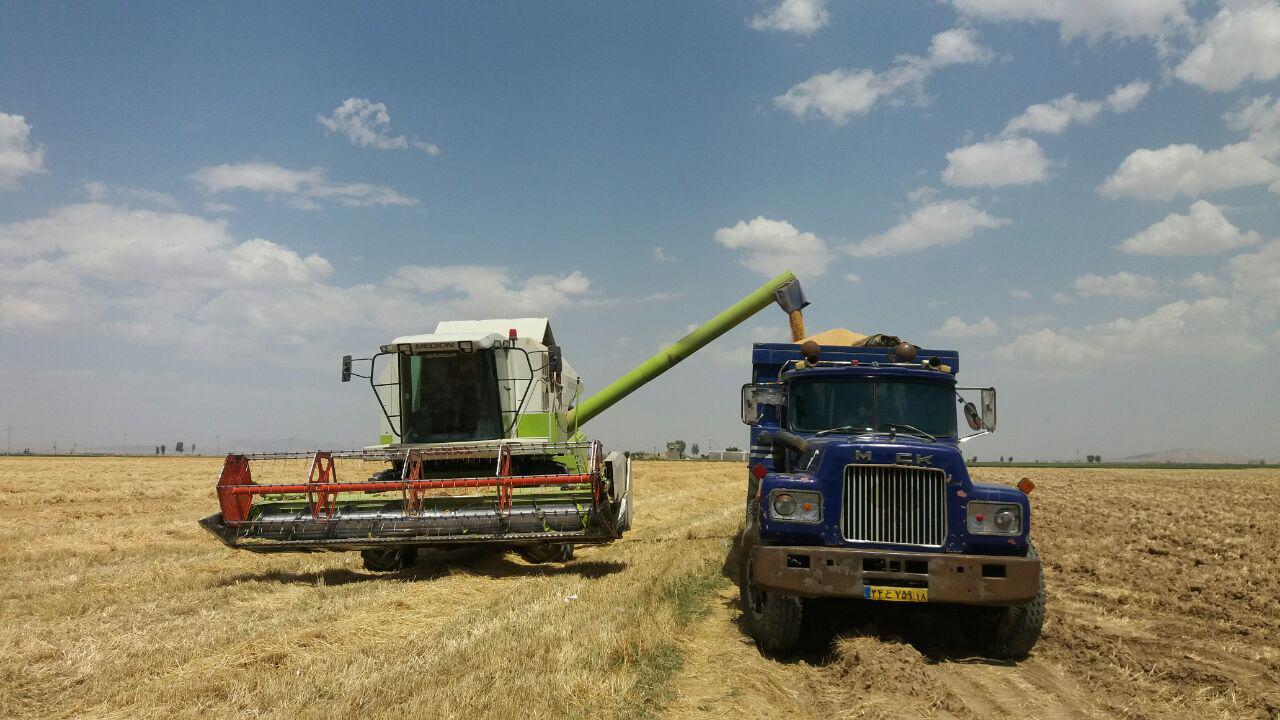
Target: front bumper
{"points": [[808, 571]]}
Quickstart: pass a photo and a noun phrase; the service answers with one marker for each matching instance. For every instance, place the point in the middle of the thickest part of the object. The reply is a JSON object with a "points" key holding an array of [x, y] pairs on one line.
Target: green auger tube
{"points": [[667, 358]]}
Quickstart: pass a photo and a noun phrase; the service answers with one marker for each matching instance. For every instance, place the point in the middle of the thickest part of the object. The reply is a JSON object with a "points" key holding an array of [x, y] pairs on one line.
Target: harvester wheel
{"points": [[1015, 629], [773, 619], [547, 552], [389, 559]]}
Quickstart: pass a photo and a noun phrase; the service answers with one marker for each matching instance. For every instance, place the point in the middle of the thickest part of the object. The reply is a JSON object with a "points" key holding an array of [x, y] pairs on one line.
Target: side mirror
{"points": [[555, 359], [989, 408], [753, 396], [971, 417], [346, 368]]}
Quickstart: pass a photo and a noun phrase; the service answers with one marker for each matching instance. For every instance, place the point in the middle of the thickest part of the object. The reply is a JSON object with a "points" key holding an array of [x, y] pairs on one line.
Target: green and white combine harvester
{"points": [[483, 445]]}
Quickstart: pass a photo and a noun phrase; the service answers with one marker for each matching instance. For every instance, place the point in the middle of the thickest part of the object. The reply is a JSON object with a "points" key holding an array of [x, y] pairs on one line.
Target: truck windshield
{"points": [[450, 398], [876, 405]]}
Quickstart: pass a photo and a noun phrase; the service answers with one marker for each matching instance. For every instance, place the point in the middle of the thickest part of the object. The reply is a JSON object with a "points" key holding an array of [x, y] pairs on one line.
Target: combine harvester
{"points": [[481, 432]]}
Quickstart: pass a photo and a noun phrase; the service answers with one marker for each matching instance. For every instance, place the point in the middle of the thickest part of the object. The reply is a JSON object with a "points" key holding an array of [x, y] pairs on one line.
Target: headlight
{"points": [[987, 518], [796, 506], [784, 505]]}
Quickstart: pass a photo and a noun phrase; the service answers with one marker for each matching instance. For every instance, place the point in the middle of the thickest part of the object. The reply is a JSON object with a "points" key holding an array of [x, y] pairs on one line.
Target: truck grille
{"points": [[893, 504]]}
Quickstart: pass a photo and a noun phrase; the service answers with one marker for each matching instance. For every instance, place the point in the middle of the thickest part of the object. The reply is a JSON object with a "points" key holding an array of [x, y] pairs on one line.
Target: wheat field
{"points": [[1163, 603]]}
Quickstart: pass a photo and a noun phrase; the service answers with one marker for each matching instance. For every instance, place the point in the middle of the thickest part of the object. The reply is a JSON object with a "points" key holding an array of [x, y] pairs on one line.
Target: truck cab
{"points": [[857, 488]]}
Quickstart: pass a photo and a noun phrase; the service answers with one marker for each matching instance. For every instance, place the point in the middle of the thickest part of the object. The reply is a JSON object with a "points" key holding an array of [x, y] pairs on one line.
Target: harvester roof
{"points": [[480, 334], [535, 328]]}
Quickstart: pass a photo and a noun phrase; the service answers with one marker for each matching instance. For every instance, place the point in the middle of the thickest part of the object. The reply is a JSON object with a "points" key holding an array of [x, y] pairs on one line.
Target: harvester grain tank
{"points": [[482, 443], [857, 489]]}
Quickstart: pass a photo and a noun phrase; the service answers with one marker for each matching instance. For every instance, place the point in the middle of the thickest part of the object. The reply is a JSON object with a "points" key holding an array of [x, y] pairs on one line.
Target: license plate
{"points": [[895, 594]]}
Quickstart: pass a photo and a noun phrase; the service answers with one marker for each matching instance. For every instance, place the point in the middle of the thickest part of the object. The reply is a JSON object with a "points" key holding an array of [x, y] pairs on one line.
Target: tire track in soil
{"points": [[1031, 689]]}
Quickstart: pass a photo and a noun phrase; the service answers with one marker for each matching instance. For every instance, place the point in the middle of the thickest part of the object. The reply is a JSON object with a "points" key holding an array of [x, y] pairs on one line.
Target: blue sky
{"points": [[202, 208]]}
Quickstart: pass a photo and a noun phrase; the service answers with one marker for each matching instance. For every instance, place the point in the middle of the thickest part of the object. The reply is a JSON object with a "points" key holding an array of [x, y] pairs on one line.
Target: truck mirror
{"points": [[346, 368], [971, 417], [753, 396], [555, 359], [989, 408]]}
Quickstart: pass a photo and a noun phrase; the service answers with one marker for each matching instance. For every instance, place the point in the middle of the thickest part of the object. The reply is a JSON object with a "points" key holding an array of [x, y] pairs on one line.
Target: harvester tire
{"points": [[773, 619], [1017, 627], [547, 552], [392, 559]]}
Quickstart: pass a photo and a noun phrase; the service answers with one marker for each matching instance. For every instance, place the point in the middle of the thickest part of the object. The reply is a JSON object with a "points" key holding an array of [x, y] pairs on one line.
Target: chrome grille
{"points": [[895, 504]]}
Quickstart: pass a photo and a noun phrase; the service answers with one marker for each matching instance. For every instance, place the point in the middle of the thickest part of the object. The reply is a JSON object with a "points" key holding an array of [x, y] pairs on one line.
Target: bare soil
{"points": [[1163, 603]]}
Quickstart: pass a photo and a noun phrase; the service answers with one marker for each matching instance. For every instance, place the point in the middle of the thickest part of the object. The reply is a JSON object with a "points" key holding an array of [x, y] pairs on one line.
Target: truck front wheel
{"points": [[1014, 630], [773, 619]]}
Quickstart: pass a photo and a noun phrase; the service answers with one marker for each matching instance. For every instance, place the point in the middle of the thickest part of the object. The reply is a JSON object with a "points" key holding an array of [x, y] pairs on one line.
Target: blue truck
{"points": [[857, 489]]}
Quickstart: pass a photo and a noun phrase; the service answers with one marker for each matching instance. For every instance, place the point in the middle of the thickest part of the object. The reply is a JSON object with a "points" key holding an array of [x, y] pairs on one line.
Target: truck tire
{"points": [[547, 552], [772, 619], [393, 559], [1017, 627]]}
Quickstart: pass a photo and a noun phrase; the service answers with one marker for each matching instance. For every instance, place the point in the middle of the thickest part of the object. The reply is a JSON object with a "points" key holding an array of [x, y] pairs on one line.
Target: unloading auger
{"points": [[482, 437]]}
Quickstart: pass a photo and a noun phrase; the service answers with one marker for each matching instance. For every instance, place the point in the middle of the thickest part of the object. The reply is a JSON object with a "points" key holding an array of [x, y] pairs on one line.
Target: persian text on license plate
{"points": [[895, 594]]}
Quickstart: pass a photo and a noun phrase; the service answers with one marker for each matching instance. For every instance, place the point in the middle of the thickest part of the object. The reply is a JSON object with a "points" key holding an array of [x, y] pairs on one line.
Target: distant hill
{"points": [[1187, 455]]}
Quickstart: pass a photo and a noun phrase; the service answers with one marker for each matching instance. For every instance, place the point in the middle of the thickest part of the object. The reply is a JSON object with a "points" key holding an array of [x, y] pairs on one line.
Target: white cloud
{"points": [[922, 194], [184, 281], [802, 17], [1241, 42], [1256, 277], [1127, 97], [995, 163], [19, 157], [1046, 348], [218, 207], [1019, 294], [842, 94], [1022, 322], [1062, 298], [100, 242], [302, 189], [1177, 328], [1199, 281], [1121, 284], [368, 124], [98, 191], [771, 246], [852, 278], [1185, 169], [1054, 116], [488, 291], [661, 255], [1204, 230], [1092, 19], [942, 223], [954, 328]]}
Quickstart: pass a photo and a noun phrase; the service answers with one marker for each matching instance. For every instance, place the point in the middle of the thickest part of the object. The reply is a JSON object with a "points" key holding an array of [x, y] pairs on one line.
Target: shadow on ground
{"points": [[433, 564]]}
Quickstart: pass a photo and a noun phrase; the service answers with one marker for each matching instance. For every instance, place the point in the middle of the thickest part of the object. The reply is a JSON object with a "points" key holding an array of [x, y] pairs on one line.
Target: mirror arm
{"points": [[980, 433]]}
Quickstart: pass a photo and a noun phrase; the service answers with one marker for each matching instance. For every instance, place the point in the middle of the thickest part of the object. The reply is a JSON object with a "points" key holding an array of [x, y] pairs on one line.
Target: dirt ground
{"points": [[1163, 603]]}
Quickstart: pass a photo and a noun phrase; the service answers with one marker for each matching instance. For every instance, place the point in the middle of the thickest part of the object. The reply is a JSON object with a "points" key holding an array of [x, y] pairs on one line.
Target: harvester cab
{"points": [[482, 445], [476, 381]]}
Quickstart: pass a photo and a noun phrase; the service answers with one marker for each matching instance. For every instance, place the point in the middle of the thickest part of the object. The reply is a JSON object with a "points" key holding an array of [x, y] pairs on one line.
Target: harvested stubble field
{"points": [[1163, 603]]}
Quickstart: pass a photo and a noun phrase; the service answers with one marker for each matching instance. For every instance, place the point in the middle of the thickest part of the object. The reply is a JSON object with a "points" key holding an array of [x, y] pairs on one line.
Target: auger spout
{"points": [[668, 357]]}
